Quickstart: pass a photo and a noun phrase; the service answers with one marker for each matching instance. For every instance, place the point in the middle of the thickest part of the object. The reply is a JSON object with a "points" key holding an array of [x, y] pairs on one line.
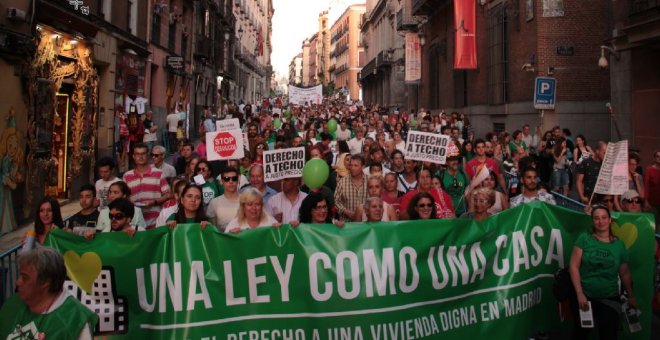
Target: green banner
{"points": [[397, 280]]}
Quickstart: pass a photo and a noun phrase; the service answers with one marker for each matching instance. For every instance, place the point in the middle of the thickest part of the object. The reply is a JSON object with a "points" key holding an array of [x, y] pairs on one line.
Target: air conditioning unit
{"points": [[15, 14]]}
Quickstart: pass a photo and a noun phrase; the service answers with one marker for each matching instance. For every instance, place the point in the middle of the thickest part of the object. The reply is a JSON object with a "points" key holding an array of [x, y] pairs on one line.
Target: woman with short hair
{"points": [[251, 213]]}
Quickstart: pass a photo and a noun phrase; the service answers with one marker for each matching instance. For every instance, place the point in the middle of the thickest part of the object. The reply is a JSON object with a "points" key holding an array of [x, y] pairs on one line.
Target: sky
{"points": [[295, 20]]}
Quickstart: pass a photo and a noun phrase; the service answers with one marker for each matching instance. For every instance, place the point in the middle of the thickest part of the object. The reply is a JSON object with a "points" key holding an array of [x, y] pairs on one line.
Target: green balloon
{"points": [[277, 123], [332, 125], [315, 173], [287, 113], [294, 119]]}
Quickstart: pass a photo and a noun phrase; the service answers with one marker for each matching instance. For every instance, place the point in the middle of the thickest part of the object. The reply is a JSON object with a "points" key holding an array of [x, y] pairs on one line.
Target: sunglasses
{"points": [[425, 205], [156, 155], [633, 200], [116, 216], [202, 169], [232, 178]]}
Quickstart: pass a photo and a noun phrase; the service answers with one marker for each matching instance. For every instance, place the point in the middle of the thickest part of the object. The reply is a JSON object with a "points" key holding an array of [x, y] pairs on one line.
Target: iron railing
{"points": [[8, 272]]}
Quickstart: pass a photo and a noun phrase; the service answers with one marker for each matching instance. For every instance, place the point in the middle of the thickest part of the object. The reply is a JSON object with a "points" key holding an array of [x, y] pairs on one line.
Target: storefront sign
{"points": [[174, 62]]}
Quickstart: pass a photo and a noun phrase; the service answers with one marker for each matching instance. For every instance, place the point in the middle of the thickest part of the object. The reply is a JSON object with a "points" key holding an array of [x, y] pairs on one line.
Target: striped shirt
{"points": [[151, 185]]}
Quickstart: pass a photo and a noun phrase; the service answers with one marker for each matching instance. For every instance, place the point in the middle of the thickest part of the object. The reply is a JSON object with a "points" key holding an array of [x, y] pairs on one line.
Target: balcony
{"points": [[428, 7], [384, 59], [642, 6], [368, 70], [405, 21]]}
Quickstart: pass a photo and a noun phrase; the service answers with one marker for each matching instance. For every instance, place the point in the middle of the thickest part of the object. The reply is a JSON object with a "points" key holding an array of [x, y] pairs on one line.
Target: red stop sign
{"points": [[224, 144]]}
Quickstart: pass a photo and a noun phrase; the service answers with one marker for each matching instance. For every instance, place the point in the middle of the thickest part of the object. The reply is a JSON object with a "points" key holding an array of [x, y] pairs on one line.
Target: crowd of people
{"points": [[370, 178]]}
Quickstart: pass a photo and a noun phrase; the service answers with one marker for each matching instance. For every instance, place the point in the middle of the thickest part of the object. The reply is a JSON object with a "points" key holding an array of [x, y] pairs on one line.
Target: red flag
{"points": [[465, 27]]}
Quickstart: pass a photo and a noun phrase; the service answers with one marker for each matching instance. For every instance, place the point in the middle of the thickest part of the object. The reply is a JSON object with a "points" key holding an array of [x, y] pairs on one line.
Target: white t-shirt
{"points": [[355, 146], [343, 134], [168, 170], [221, 211], [279, 203], [173, 121], [102, 188], [266, 221]]}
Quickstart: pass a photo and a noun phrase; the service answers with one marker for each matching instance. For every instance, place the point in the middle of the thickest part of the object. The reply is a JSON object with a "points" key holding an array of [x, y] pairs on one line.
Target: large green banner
{"points": [[398, 280]]}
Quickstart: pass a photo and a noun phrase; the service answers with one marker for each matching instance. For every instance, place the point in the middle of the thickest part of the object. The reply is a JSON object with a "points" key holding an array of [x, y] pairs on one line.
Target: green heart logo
{"points": [[626, 233], [83, 270]]}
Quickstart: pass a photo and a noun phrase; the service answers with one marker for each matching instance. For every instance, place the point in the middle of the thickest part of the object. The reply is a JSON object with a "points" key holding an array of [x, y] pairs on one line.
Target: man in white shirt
{"points": [[530, 140], [284, 206], [343, 133], [106, 168], [172, 125], [356, 143], [158, 158], [223, 208]]}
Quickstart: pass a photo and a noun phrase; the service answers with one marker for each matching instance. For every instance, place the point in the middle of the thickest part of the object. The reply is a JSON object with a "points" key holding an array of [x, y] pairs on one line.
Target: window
{"points": [[498, 55], [171, 39], [155, 29]]}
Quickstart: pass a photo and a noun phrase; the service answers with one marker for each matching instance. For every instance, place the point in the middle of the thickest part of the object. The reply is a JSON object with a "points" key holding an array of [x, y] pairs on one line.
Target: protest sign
{"points": [[283, 163], [613, 175], [426, 147], [227, 124], [428, 279], [224, 145], [300, 96]]}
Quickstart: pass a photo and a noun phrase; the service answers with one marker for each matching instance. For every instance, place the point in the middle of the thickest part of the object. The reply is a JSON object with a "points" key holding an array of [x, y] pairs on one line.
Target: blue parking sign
{"points": [[545, 93]]}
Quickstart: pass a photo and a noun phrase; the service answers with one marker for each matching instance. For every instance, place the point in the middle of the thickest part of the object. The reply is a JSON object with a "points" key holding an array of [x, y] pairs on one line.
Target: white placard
{"points": [[426, 147], [227, 124], [613, 175], [300, 96], [224, 145], [283, 163]]}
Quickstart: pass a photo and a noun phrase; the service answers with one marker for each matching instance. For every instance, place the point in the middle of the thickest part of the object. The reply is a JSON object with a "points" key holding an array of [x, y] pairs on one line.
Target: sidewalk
{"points": [[13, 238]]}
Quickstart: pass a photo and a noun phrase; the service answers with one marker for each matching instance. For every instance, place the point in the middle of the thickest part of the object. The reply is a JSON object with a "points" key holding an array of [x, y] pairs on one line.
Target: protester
{"points": [[251, 213], [390, 194], [455, 182], [210, 189], [158, 158], [149, 188], [173, 119], [48, 218], [88, 214], [351, 190], [106, 170], [373, 209], [186, 154], [375, 189], [173, 205], [652, 185], [191, 209], [422, 207], [531, 190], [119, 190], [598, 260], [284, 206], [443, 204], [560, 167], [121, 214], [501, 200], [150, 136], [41, 308], [587, 173], [223, 208], [257, 182], [631, 201], [315, 209], [482, 159], [582, 151], [483, 199], [408, 179]]}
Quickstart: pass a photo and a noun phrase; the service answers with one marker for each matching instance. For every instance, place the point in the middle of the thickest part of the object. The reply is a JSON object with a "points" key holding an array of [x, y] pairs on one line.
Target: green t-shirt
{"points": [[513, 146], [65, 322], [455, 187], [211, 190], [599, 269]]}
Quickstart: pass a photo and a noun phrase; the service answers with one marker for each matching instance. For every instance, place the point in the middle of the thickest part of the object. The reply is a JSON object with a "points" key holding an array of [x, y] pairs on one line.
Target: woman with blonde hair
{"points": [[482, 198], [251, 213]]}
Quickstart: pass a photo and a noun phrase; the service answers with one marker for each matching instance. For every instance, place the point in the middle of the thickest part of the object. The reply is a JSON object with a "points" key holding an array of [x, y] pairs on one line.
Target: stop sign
{"points": [[224, 144]]}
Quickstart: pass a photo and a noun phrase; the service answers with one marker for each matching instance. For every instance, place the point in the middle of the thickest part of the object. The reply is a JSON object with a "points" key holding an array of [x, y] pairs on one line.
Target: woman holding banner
{"points": [[598, 260], [251, 213], [191, 208]]}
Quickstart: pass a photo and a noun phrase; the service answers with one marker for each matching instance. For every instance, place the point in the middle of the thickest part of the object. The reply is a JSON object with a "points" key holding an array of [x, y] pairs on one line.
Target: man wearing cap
{"points": [[454, 181], [631, 202]]}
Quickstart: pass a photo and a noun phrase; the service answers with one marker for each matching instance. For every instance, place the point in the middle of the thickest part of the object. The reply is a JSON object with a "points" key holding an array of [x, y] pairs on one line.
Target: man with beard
{"points": [[481, 157], [121, 214], [454, 181], [253, 137], [587, 172], [531, 191]]}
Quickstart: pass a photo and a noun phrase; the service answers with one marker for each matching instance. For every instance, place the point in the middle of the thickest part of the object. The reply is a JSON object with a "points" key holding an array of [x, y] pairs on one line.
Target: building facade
{"points": [[516, 42], [296, 70], [79, 77], [632, 52], [252, 52], [383, 75], [323, 47], [347, 52]]}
